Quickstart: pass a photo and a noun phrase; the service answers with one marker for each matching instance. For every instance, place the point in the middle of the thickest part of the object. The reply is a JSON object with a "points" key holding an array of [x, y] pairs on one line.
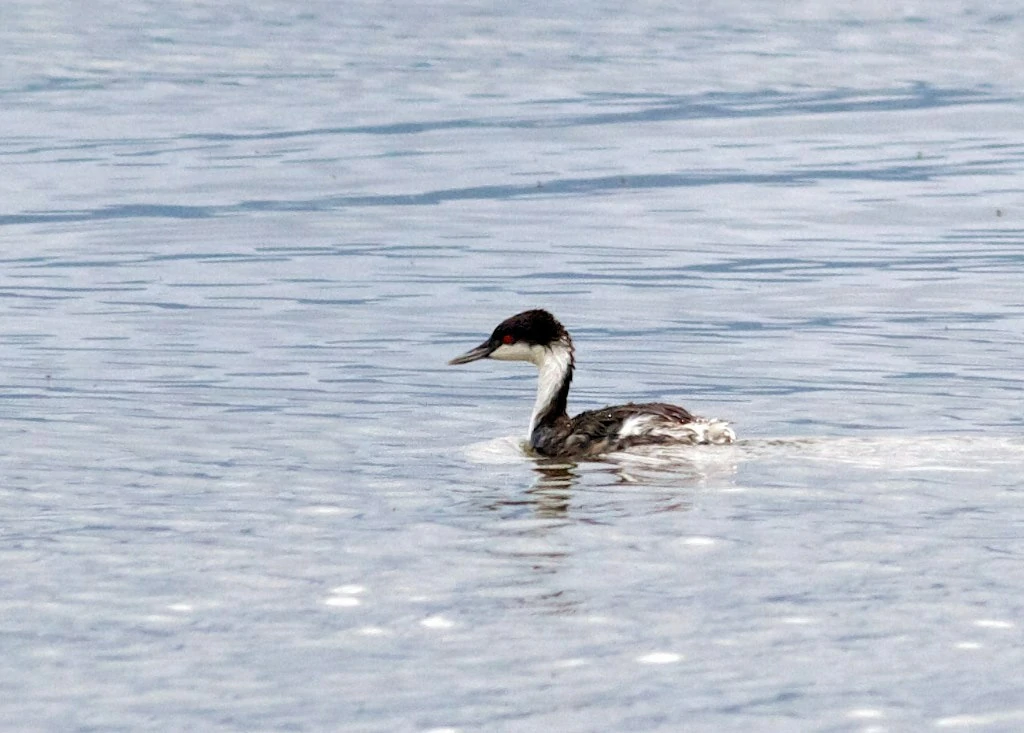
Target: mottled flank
{"points": [[610, 429]]}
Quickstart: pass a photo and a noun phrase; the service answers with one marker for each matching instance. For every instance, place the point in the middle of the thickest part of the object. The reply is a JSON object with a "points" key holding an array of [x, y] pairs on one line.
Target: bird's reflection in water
{"points": [[552, 490], [668, 473], [531, 538], [542, 527]]}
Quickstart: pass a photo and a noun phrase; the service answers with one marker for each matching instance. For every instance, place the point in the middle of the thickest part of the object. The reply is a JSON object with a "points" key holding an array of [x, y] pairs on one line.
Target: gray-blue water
{"points": [[240, 490]]}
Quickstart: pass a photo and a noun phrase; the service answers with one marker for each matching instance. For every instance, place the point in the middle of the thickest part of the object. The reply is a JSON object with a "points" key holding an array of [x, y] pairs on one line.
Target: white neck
{"points": [[554, 364]]}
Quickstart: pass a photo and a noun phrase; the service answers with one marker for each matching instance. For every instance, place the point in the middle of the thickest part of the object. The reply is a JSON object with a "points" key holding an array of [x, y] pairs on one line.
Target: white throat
{"points": [[553, 364]]}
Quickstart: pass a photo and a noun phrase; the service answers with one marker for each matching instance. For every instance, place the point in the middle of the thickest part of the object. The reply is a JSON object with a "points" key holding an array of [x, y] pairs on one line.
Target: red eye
{"points": [[508, 339]]}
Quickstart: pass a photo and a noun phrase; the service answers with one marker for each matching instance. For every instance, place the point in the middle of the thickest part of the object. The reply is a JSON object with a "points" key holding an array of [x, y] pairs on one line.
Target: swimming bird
{"points": [[536, 336]]}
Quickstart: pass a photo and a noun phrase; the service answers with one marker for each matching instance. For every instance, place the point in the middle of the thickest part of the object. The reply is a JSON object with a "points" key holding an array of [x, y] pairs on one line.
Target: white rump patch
{"points": [[718, 432], [698, 431]]}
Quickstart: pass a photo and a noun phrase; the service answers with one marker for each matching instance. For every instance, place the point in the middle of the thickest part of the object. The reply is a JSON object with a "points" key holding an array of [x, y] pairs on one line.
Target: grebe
{"points": [[536, 336]]}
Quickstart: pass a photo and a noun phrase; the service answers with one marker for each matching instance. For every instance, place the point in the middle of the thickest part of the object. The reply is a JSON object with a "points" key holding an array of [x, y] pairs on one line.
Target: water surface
{"points": [[241, 490]]}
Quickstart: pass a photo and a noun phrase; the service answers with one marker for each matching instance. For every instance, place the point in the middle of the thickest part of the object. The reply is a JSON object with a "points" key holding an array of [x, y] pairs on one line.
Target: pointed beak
{"points": [[480, 352]]}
